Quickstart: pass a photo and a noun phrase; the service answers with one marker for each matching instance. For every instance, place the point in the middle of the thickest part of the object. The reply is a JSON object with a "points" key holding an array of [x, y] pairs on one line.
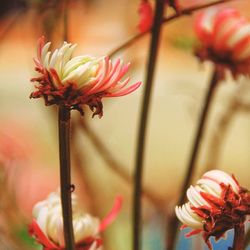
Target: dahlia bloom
{"points": [[225, 39], [75, 81], [47, 225], [215, 204]]}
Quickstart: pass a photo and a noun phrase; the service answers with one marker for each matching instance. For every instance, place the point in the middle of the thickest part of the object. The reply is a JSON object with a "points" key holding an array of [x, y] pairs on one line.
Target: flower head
{"points": [[47, 225], [146, 15], [215, 204], [225, 40], [75, 81]]}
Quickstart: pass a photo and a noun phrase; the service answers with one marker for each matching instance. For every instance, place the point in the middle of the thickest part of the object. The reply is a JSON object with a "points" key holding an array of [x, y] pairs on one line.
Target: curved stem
{"points": [[239, 233], [155, 37], [116, 166], [65, 178], [187, 11], [173, 227]]}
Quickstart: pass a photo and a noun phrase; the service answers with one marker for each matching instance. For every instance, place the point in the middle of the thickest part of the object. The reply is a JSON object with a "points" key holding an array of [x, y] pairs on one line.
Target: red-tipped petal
{"points": [[36, 231], [112, 214]]}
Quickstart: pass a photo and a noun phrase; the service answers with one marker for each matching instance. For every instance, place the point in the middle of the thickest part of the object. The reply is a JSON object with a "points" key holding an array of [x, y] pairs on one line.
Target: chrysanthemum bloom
{"points": [[75, 81], [225, 40], [47, 225], [146, 15], [216, 204]]}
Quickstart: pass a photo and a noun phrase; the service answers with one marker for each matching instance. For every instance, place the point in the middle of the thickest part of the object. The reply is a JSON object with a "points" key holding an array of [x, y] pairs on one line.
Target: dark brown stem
{"points": [[65, 178], [187, 11], [116, 166], [239, 233], [173, 227], [154, 45]]}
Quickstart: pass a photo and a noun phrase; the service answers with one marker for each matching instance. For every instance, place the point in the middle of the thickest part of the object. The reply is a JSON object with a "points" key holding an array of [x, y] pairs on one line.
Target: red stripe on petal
{"points": [[193, 232], [212, 200], [41, 43]]}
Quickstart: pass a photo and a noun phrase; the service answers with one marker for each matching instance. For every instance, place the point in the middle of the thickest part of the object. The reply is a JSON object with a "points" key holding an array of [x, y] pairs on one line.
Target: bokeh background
{"points": [[29, 166]]}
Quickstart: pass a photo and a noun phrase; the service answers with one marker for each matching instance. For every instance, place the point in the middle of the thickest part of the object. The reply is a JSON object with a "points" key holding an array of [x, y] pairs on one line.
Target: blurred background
{"points": [[103, 150]]}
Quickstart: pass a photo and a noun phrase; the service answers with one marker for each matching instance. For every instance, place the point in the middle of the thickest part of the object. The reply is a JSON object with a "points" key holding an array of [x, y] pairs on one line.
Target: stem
{"points": [[239, 233], [65, 20], [155, 36], [194, 155], [115, 166], [65, 179], [187, 11]]}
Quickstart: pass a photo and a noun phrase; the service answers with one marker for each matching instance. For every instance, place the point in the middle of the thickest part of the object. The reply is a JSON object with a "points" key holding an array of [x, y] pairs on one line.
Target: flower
{"points": [[47, 225], [75, 81], [215, 204], [145, 16], [174, 4], [225, 40]]}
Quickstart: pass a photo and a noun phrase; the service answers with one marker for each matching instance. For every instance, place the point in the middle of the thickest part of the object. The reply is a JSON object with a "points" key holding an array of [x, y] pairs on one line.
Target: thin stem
{"points": [[65, 20], [114, 165], [155, 37], [173, 227], [239, 233], [65, 178], [187, 11]]}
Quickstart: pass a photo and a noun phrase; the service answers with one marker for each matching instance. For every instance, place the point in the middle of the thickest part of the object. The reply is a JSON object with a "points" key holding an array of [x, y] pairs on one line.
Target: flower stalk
{"points": [[173, 225], [155, 37], [183, 12], [65, 177], [239, 236]]}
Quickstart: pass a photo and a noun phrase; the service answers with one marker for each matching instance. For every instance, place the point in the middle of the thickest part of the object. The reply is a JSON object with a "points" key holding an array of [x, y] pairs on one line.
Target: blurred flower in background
{"points": [[47, 226], [225, 39]]}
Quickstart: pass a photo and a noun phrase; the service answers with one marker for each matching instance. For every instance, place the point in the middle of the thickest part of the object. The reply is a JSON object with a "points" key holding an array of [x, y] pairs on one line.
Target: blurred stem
{"points": [[114, 165], [152, 56], [65, 178], [13, 21], [239, 233], [187, 11], [65, 20], [173, 227]]}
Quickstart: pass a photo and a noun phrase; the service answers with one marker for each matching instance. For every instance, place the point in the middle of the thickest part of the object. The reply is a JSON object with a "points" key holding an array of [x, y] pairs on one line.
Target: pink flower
{"points": [[76, 81], [215, 205], [47, 225], [146, 16], [225, 39]]}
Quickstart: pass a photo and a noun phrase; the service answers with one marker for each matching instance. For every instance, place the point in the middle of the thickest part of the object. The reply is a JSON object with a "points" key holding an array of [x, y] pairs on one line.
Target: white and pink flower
{"points": [[75, 81], [225, 39], [215, 204], [47, 225]]}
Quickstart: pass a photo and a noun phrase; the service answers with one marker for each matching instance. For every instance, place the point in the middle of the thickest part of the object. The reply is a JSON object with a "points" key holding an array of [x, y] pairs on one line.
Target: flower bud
{"points": [[225, 39], [215, 204]]}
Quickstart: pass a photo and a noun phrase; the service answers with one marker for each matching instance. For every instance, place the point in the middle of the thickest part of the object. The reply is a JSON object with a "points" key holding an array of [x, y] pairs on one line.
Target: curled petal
{"points": [[112, 214]]}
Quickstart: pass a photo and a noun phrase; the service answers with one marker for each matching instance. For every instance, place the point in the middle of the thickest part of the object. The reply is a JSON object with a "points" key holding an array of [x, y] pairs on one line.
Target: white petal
{"points": [[239, 34], [222, 177], [45, 50]]}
